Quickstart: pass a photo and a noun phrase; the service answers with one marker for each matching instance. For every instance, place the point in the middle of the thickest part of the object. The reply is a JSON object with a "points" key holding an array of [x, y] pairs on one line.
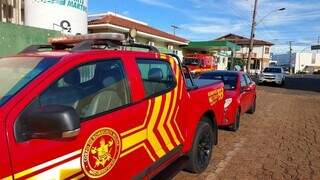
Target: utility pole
{"points": [[253, 29], [290, 55], [1, 10], [174, 29]]}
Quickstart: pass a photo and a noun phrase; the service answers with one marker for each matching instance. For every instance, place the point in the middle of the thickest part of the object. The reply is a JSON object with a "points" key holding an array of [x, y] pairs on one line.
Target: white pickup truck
{"points": [[273, 75]]}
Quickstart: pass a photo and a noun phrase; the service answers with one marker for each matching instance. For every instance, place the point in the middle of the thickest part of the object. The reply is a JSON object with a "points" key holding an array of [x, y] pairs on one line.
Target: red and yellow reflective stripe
{"points": [[7, 178], [141, 145], [161, 128], [141, 126], [50, 163]]}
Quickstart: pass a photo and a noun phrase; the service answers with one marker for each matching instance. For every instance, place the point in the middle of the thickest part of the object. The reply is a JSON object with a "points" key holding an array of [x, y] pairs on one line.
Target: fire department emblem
{"points": [[100, 152]]}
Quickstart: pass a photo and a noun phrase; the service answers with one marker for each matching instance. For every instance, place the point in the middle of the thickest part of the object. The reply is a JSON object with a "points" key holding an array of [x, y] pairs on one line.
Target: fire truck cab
{"points": [[199, 63], [93, 106]]}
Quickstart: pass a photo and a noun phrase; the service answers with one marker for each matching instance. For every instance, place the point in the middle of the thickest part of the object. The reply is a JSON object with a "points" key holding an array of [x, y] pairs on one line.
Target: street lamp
{"points": [[264, 17], [253, 29]]}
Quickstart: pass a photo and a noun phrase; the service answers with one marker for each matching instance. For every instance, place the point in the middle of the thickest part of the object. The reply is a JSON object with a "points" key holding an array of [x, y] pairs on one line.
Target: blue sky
{"points": [[209, 19]]}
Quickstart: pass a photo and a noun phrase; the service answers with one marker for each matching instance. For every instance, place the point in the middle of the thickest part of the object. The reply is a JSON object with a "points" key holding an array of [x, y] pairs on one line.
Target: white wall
{"points": [[258, 50], [222, 62], [70, 16], [301, 60]]}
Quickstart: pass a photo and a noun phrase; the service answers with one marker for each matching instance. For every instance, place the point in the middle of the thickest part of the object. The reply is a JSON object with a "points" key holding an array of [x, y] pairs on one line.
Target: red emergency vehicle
{"points": [[91, 107], [199, 63], [240, 95]]}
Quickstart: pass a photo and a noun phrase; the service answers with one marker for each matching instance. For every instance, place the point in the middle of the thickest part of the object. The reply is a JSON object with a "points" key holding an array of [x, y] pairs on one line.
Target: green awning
{"points": [[164, 50], [211, 46]]}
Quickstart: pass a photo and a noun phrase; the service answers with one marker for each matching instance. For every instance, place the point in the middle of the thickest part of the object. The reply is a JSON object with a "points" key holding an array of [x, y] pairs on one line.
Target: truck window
{"points": [[90, 89], [157, 76], [17, 72]]}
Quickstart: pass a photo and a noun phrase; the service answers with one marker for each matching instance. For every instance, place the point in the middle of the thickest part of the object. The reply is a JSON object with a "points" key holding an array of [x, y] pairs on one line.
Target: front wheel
{"points": [[200, 154]]}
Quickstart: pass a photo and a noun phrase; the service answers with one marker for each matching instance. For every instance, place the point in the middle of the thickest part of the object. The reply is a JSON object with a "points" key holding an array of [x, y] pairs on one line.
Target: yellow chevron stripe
{"points": [[181, 84], [152, 138], [161, 129], [171, 114], [137, 147], [171, 60], [180, 97], [163, 56], [134, 139], [141, 126], [46, 164], [175, 122], [7, 178]]}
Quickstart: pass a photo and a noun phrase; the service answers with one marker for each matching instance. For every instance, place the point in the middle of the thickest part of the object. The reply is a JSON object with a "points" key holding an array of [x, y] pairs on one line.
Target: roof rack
{"points": [[88, 42]]}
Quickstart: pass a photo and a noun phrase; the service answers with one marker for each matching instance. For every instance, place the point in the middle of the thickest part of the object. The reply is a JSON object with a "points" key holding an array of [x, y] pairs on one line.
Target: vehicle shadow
{"points": [[225, 128]]}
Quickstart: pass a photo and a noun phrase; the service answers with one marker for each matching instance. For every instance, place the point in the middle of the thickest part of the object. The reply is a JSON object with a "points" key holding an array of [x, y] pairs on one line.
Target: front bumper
{"points": [[270, 80]]}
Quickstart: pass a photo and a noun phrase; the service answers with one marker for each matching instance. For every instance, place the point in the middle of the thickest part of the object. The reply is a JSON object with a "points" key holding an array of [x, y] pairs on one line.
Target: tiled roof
{"points": [[127, 23], [241, 40]]}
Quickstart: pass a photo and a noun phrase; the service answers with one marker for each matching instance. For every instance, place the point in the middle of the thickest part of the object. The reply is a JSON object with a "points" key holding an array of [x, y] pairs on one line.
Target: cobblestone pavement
{"points": [[280, 141]]}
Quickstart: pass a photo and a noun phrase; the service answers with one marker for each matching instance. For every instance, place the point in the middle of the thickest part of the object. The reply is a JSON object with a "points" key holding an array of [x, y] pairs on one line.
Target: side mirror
{"points": [[246, 89], [51, 122]]}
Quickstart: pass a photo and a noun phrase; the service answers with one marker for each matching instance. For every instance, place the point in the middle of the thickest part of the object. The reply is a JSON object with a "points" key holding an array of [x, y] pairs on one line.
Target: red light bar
{"points": [[80, 38]]}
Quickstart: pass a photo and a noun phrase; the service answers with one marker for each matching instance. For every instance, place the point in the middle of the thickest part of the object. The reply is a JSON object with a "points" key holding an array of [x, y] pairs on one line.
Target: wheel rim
{"points": [[204, 149]]}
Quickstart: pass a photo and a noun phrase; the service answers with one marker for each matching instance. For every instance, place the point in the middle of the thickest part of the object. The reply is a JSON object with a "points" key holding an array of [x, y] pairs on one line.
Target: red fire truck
{"points": [[90, 107], [199, 63]]}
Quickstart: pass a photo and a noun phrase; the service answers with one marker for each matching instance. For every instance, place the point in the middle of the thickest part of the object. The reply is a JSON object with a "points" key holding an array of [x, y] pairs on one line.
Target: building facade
{"points": [[261, 54], [306, 62], [301, 62], [111, 22], [12, 11]]}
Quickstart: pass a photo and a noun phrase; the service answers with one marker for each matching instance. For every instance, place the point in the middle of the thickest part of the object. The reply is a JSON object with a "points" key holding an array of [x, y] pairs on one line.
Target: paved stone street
{"points": [[280, 141]]}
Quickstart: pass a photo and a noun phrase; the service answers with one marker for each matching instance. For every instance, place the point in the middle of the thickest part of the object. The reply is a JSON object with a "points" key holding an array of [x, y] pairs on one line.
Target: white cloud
{"points": [[126, 13], [213, 28], [208, 19], [284, 48], [157, 3]]}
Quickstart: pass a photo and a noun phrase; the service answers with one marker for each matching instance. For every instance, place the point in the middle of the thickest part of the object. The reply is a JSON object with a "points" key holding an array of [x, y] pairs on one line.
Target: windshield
{"points": [[191, 61], [272, 70], [229, 80], [17, 72]]}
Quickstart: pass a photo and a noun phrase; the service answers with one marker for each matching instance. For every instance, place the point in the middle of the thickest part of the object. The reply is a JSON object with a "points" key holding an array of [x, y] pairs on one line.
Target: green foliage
{"points": [[240, 62]]}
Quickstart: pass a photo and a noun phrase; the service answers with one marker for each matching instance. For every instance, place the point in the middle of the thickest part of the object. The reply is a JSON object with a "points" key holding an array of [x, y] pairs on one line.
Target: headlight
{"points": [[227, 102], [260, 76]]}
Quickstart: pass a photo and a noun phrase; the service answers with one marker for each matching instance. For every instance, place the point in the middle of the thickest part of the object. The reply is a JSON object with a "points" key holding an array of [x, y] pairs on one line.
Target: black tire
{"points": [[200, 154], [236, 125], [252, 109]]}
